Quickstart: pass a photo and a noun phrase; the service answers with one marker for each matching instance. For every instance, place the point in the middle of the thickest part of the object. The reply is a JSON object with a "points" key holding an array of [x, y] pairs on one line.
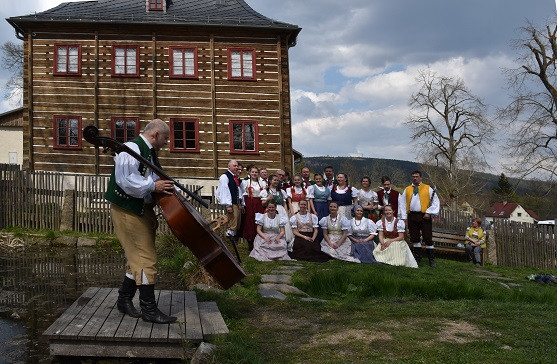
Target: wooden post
{"points": [[96, 101], [154, 60], [491, 247], [30, 96], [281, 105], [214, 109]]}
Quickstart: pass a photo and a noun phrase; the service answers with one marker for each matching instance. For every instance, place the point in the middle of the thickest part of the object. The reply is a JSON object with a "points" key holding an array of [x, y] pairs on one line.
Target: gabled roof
{"points": [[501, 209], [235, 13], [533, 214], [12, 118]]}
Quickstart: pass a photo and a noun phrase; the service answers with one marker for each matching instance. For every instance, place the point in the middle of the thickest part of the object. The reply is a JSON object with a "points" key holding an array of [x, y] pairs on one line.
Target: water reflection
{"points": [[39, 284]]}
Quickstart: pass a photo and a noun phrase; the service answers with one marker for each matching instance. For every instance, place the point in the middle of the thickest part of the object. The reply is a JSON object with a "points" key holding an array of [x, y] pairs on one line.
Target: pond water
{"points": [[39, 284]]}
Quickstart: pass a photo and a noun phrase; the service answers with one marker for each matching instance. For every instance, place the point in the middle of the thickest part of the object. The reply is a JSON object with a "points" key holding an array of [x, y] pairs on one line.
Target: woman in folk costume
{"points": [[269, 243], [392, 249], [304, 226], [361, 234], [274, 193], [319, 196], [367, 198], [335, 230], [295, 194], [344, 195], [252, 188]]}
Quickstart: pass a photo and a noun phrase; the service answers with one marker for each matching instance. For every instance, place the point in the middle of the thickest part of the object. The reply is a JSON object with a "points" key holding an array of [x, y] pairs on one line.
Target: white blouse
{"points": [[355, 191], [263, 194], [364, 227], [304, 219], [390, 225], [344, 223], [368, 196], [298, 190], [256, 187], [311, 189], [270, 225]]}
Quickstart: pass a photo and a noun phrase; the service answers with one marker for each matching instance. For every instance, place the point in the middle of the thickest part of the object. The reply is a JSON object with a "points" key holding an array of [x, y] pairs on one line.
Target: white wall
{"points": [[11, 141], [520, 215]]}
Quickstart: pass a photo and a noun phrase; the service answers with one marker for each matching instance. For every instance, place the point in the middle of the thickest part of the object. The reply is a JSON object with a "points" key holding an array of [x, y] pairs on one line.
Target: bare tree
{"points": [[449, 125], [12, 60], [532, 114]]}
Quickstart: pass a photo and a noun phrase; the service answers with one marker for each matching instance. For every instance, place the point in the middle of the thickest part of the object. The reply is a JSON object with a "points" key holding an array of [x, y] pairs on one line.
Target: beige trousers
{"points": [[137, 236], [234, 218]]}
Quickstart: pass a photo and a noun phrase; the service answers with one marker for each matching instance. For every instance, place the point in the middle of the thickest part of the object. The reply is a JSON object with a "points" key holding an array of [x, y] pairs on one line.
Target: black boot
{"points": [[417, 250], [125, 296], [149, 310], [431, 258]]}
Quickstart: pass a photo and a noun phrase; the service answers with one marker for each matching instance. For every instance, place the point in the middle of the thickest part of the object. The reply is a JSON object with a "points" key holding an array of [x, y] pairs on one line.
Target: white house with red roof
{"points": [[511, 211]]}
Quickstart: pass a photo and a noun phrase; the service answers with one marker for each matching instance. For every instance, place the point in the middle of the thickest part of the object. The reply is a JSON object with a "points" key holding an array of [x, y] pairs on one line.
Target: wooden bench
{"points": [[447, 241]]}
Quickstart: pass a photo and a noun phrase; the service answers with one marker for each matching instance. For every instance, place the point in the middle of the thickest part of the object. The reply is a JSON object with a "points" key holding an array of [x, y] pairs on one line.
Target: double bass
{"points": [[185, 222]]}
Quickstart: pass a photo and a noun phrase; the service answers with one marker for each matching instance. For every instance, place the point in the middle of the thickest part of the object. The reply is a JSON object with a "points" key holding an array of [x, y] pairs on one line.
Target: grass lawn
{"points": [[378, 314]]}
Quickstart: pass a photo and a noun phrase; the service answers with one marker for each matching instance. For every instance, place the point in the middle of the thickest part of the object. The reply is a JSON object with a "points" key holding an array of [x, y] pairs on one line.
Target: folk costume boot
{"points": [[149, 310], [430, 257], [125, 296], [417, 250]]}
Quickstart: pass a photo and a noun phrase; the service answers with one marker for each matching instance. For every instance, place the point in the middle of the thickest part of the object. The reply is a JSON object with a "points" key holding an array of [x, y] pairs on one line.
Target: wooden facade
{"points": [[212, 101]]}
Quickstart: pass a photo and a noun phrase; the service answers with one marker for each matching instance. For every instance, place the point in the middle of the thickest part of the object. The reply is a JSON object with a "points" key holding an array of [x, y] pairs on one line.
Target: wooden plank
{"points": [[80, 320], [117, 349], [176, 331], [194, 331], [93, 326], [212, 322], [62, 322], [127, 325], [160, 332], [447, 241], [110, 326]]}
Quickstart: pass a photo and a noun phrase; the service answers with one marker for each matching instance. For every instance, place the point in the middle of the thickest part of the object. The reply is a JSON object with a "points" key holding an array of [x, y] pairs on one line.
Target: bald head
{"points": [[157, 132]]}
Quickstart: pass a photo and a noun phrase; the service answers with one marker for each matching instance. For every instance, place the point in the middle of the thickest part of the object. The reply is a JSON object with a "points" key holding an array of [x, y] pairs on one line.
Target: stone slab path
{"points": [[277, 284]]}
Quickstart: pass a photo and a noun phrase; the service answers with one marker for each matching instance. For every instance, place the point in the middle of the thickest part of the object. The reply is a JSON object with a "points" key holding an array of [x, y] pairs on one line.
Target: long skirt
{"points": [[266, 252], [364, 252], [248, 228], [342, 252], [309, 251], [322, 209], [398, 253], [288, 234]]}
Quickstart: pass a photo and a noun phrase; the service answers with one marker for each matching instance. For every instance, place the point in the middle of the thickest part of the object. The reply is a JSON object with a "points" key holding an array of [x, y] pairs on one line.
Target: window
{"points": [[243, 137], [156, 5], [67, 59], [241, 64], [519, 214], [124, 129], [184, 135], [183, 62], [125, 60], [67, 132]]}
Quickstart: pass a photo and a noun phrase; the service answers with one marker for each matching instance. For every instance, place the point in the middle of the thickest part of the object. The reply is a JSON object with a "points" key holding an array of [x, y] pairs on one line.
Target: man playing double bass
{"points": [[129, 191]]}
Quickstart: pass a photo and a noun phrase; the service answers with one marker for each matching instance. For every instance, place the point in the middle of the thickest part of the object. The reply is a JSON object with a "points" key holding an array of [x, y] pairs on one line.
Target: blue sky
{"points": [[354, 66]]}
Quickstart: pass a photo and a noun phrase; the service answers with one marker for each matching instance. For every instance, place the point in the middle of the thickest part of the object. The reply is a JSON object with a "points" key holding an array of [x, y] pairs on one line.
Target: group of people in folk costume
{"points": [[327, 218], [306, 219]]}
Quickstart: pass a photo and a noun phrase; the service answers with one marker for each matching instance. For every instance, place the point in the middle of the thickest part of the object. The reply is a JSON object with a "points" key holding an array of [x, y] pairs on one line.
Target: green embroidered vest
{"points": [[117, 196]]}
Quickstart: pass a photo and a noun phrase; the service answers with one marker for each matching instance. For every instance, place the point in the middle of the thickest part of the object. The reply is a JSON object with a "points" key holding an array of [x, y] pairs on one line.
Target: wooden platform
{"points": [[93, 326]]}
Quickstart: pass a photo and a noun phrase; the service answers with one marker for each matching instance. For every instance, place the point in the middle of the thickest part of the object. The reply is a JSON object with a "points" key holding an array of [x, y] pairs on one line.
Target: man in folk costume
{"points": [[417, 204], [329, 177], [230, 196], [306, 179], [388, 196], [129, 192]]}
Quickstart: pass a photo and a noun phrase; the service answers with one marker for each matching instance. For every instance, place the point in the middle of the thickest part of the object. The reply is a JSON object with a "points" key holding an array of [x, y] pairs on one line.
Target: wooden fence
{"points": [[36, 200], [525, 245]]}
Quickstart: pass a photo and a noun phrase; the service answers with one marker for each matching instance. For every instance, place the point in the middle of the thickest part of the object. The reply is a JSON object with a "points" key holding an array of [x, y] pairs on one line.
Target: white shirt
{"points": [[368, 195], [415, 205], [126, 172], [298, 190], [223, 192], [344, 223]]}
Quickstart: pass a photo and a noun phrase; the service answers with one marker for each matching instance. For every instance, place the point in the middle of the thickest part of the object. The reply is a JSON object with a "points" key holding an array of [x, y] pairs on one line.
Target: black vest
{"points": [[233, 187]]}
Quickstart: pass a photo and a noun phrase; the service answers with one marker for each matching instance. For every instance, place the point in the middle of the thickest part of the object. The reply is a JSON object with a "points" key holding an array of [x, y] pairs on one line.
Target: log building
{"points": [[216, 70]]}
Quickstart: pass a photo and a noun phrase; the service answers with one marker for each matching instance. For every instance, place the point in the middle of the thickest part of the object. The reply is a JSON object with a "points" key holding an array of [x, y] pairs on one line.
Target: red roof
{"points": [[504, 210], [501, 209], [533, 214]]}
